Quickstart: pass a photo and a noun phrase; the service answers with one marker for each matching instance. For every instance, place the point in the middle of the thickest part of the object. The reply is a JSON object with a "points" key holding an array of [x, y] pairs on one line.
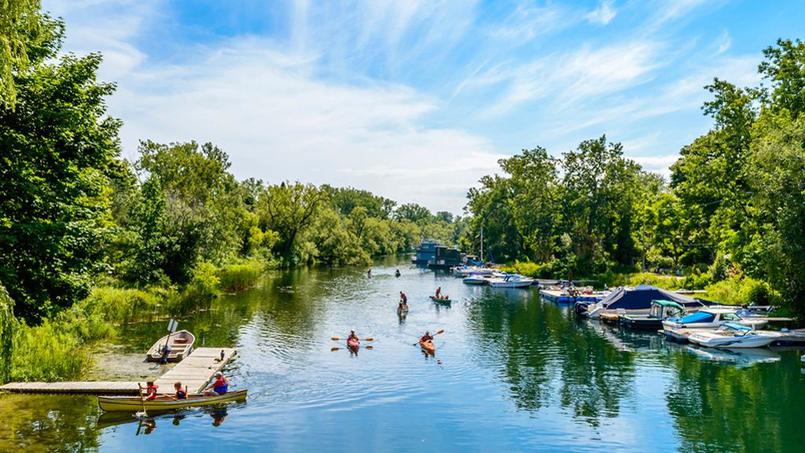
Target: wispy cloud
{"points": [[603, 14]]}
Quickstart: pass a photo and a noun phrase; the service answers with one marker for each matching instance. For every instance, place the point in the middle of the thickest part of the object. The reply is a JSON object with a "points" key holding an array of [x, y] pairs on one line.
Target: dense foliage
{"points": [[734, 210]]}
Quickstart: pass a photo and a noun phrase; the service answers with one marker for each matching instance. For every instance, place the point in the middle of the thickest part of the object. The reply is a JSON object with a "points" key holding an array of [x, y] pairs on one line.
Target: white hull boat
{"points": [[733, 336], [512, 281]]}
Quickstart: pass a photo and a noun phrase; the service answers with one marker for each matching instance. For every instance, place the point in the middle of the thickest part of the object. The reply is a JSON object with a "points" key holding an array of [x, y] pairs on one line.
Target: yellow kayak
{"points": [[165, 403]]}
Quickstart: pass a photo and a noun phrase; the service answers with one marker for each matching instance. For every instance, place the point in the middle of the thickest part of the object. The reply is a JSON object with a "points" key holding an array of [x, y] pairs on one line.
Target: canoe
{"points": [[353, 343], [440, 301], [428, 347], [181, 345], [165, 403]]}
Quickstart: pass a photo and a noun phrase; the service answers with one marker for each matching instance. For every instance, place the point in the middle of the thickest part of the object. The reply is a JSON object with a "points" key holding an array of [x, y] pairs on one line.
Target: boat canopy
{"points": [[667, 304], [642, 296], [699, 316]]}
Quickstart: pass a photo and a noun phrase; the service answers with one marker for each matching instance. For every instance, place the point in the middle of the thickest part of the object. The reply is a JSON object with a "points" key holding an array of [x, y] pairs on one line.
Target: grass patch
{"points": [[240, 276]]}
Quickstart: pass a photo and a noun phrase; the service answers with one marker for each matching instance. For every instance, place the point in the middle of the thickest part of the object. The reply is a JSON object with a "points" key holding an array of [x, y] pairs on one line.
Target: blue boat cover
{"points": [[699, 316], [641, 296]]}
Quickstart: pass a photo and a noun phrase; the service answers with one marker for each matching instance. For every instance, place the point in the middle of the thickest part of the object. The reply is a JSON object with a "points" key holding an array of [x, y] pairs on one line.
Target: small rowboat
{"points": [[428, 347], [180, 344], [440, 300], [165, 403]]}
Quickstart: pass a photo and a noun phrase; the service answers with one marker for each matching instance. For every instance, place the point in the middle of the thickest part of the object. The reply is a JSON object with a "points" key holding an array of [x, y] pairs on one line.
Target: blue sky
{"points": [[415, 100]]}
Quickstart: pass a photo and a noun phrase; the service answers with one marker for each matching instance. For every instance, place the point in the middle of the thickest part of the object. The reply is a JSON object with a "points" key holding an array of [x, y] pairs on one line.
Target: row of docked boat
{"points": [[686, 320], [498, 280]]}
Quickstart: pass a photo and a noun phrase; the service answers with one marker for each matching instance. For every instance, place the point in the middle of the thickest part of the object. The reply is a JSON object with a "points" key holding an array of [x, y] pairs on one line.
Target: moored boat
{"points": [[637, 300], [179, 344], [660, 310], [511, 281], [733, 335], [165, 403], [711, 318]]}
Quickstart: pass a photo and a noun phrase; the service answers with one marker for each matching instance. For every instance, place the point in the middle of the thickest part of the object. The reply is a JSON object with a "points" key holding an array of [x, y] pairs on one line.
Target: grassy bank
{"points": [[61, 347]]}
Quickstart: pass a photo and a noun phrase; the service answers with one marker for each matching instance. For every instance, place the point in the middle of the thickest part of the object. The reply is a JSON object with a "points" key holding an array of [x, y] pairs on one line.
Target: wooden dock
{"points": [[91, 388], [195, 371]]}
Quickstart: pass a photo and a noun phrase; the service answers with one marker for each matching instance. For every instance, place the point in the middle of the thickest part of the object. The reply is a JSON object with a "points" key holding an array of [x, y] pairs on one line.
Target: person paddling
{"points": [[439, 292], [397, 274], [150, 390], [219, 387], [181, 394], [403, 299], [426, 338]]}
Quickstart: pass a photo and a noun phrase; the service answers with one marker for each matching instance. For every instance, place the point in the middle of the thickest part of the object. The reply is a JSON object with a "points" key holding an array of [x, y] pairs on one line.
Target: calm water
{"points": [[511, 373]]}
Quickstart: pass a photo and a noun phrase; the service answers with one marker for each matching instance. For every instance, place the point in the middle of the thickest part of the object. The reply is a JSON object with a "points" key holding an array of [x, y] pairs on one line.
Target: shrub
{"points": [[534, 270], [200, 292], [239, 276], [739, 290], [47, 352]]}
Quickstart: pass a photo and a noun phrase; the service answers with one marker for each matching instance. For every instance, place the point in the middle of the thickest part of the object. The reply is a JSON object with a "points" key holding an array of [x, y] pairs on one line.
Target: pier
{"points": [[195, 371]]}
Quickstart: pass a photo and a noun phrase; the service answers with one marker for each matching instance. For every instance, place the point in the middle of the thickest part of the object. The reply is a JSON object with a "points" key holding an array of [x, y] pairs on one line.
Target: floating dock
{"points": [[195, 372]]}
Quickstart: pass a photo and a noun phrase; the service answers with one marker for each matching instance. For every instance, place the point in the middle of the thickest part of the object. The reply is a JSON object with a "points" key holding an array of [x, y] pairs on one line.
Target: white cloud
{"points": [[603, 14]]}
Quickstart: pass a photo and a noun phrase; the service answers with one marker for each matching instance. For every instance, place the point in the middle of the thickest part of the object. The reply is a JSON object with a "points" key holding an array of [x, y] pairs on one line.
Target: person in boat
{"points": [[219, 387], [150, 390], [426, 338], [397, 274], [181, 394], [439, 292], [352, 336], [403, 299], [369, 273]]}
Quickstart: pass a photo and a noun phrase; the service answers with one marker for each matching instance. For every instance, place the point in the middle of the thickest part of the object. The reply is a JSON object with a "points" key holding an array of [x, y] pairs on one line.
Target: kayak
{"points": [[165, 403], [353, 343], [428, 346], [402, 311], [440, 301]]}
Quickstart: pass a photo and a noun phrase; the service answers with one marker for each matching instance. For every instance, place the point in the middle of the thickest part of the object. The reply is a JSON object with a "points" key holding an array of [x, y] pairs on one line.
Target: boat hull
{"points": [[441, 301], [135, 404], [181, 344], [428, 347]]}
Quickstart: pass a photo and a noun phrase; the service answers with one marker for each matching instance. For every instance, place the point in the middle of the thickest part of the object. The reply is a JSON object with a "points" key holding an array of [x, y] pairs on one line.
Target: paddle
{"points": [[437, 333], [142, 400], [362, 339], [338, 349]]}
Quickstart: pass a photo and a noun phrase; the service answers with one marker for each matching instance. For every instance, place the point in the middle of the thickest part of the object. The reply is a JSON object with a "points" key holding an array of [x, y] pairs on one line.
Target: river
{"points": [[511, 373]]}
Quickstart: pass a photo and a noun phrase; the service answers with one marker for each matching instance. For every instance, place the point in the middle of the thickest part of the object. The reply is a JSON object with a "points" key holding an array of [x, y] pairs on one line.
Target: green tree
{"points": [[414, 213], [57, 148], [289, 209], [20, 30]]}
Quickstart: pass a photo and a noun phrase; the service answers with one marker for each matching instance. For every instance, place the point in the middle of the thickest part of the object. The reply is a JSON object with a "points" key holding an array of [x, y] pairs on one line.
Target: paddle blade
{"points": [[440, 331], [369, 339], [335, 349], [369, 347], [335, 338]]}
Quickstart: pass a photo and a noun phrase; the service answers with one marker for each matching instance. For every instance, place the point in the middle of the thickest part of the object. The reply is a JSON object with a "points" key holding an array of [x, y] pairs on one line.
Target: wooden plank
{"points": [[91, 388]]}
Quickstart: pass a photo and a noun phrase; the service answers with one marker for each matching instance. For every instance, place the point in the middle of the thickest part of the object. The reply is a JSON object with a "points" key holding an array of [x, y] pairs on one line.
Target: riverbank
{"points": [[62, 347], [735, 289]]}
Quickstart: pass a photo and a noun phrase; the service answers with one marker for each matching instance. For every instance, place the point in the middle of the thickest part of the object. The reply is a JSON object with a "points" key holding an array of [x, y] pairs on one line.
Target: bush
{"points": [[240, 276], [47, 352], [739, 290], [123, 304], [530, 269], [670, 282], [200, 292]]}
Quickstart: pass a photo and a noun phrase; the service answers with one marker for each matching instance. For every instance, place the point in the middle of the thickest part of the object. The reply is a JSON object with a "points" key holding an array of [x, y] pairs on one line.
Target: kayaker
{"points": [[352, 336], [403, 299], [397, 274], [180, 394], [150, 390], [219, 387], [369, 273], [426, 338], [439, 292]]}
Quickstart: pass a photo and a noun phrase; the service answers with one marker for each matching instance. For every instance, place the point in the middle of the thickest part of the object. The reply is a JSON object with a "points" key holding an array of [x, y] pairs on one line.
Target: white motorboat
{"points": [[467, 271], [482, 279], [733, 335], [711, 318], [511, 281]]}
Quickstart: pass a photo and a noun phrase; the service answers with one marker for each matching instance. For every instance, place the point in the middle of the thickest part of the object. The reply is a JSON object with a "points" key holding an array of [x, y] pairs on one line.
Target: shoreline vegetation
{"points": [[88, 239]]}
